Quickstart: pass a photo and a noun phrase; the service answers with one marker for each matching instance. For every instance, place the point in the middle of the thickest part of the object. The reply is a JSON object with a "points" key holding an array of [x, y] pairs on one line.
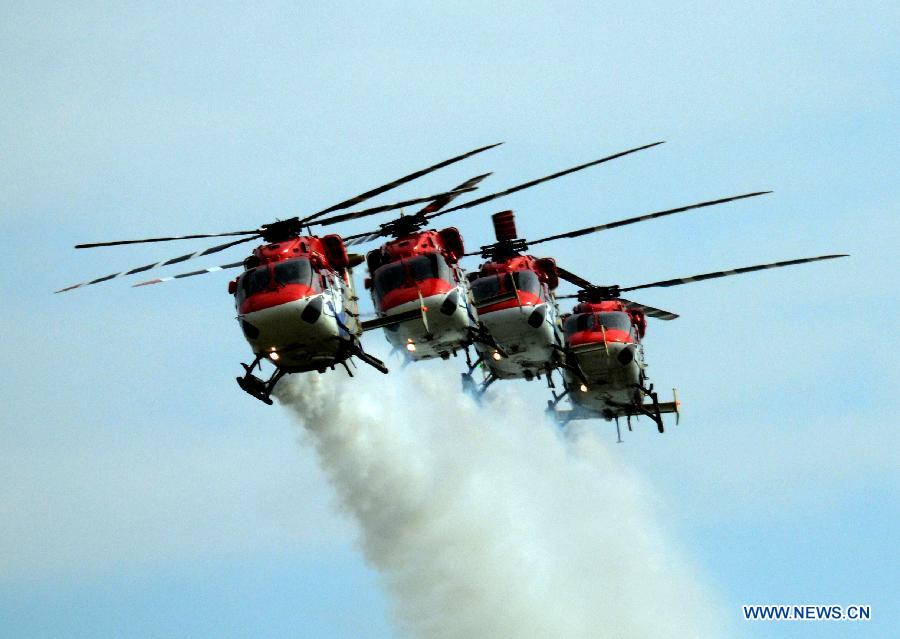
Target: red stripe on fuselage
{"points": [[525, 299], [404, 294], [596, 337], [269, 298]]}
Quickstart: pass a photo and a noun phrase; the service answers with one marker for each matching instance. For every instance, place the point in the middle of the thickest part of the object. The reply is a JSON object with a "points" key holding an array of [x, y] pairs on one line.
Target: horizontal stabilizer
{"points": [[664, 407]]}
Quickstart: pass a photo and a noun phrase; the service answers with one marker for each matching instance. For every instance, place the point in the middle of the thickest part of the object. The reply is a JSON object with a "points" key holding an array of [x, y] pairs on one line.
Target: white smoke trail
{"points": [[484, 523]]}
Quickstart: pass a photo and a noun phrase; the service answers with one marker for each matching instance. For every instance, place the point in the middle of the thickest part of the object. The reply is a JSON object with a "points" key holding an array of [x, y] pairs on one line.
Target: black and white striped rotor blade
{"points": [[204, 271], [343, 217], [525, 185], [392, 185], [174, 260], [649, 311], [164, 239], [736, 271], [570, 277], [647, 216]]}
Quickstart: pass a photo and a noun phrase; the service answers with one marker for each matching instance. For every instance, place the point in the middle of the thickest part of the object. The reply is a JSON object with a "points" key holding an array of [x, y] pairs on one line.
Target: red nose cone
{"points": [[504, 225]]}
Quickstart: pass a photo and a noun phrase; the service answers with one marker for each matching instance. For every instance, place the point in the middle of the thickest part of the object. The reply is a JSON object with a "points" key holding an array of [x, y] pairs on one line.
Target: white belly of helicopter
{"points": [[530, 348], [443, 330], [613, 372], [303, 334]]}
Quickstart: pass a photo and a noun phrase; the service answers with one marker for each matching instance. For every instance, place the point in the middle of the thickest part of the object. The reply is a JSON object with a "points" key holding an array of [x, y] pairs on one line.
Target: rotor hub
{"points": [[281, 230], [598, 294]]}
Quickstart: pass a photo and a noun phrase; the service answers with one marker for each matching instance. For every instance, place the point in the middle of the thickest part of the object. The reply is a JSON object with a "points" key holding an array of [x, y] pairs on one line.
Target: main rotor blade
{"points": [[392, 185], [494, 196], [361, 238], [641, 218], [569, 276], [343, 217], [163, 239], [469, 185], [649, 311], [211, 269], [174, 260], [737, 271]]}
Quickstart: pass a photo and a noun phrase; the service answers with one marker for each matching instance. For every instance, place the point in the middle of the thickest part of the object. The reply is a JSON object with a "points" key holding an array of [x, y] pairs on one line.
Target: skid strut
{"points": [[253, 385]]}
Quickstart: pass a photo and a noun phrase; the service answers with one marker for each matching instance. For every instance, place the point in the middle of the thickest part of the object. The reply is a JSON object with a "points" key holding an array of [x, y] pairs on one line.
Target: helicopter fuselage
{"points": [[295, 308], [515, 304], [604, 340], [420, 271]]}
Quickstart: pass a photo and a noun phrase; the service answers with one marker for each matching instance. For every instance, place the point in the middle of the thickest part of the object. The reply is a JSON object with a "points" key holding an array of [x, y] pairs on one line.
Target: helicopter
{"points": [[514, 295], [416, 276], [295, 299], [604, 335]]}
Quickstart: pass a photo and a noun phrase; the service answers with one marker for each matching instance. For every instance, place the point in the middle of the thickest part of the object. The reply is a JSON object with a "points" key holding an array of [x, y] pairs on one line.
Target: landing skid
{"points": [[253, 385], [654, 410], [474, 389], [469, 385], [262, 389]]}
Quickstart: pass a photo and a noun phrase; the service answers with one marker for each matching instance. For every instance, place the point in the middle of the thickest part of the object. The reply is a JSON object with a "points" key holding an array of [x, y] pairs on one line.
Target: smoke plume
{"points": [[487, 523]]}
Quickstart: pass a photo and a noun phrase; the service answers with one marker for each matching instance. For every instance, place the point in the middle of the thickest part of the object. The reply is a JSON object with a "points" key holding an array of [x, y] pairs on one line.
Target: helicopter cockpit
{"points": [[277, 276], [409, 273], [612, 326], [495, 288]]}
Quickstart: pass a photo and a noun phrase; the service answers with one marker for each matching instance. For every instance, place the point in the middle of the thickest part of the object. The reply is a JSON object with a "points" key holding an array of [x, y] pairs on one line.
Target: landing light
{"points": [[274, 356], [582, 388], [411, 347], [497, 356]]}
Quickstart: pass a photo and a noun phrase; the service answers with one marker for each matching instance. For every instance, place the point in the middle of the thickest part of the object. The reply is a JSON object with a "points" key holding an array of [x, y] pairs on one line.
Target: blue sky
{"points": [[143, 495]]}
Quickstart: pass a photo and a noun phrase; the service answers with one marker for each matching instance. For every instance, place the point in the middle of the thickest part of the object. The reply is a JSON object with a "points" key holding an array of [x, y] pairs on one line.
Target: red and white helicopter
{"points": [[604, 336], [417, 285], [513, 293], [295, 300]]}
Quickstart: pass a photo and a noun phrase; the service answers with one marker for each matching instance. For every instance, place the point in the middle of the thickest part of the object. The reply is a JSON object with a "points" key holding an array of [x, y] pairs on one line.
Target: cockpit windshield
{"points": [[485, 288], [527, 281], [405, 272], [425, 267], [297, 271], [253, 282], [614, 320], [389, 277]]}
